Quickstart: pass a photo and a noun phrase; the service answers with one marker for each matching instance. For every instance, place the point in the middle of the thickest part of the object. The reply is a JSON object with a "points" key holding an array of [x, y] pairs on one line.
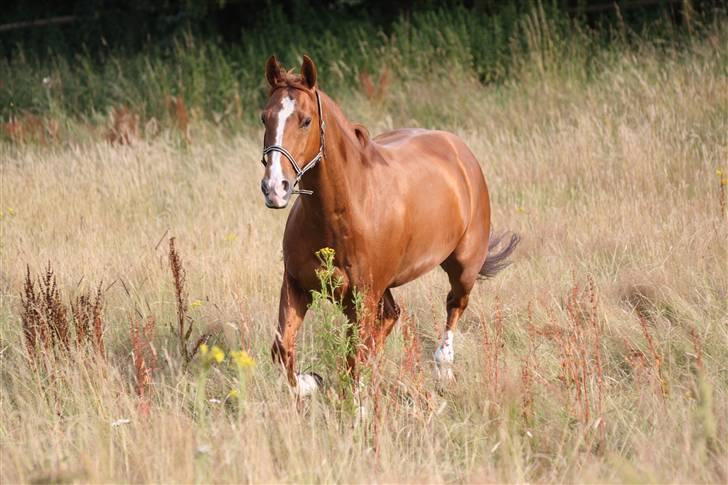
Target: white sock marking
{"points": [[445, 356], [305, 385], [445, 353]]}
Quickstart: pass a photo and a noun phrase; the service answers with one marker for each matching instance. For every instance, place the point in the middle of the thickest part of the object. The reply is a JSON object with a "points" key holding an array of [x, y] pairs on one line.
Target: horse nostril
{"points": [[264, 187], [285, 185]]}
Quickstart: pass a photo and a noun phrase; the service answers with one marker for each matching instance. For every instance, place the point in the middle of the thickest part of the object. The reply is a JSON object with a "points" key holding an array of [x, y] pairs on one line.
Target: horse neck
{"points": [[337, 179]]}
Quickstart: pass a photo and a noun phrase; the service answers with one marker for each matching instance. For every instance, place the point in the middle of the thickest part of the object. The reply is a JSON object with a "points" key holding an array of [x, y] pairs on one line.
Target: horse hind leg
{"points": [[389, 313], [462, 268]]}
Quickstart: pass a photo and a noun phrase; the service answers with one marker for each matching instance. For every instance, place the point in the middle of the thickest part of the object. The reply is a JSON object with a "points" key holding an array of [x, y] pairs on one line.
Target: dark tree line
{"points": [[90, 25]]}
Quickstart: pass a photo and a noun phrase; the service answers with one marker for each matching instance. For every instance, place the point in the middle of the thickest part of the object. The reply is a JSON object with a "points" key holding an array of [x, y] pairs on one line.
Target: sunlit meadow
{"points": [[601, 354]]}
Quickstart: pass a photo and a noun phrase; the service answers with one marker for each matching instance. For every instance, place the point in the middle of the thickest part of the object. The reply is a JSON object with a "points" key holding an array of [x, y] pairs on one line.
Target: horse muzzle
{"points": [[276, 192]]}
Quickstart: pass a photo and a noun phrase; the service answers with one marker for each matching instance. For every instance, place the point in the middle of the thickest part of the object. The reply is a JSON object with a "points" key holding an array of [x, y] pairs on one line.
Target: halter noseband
{"points": [[311, 163]]}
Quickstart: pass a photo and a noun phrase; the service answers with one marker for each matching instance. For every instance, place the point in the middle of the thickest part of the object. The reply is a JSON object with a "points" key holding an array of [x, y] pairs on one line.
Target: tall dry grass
{"points": [[600, 355]]}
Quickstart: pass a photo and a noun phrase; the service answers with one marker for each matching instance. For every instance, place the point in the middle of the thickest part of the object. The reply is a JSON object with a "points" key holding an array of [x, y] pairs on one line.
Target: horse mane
{"points": [[357, 132]]}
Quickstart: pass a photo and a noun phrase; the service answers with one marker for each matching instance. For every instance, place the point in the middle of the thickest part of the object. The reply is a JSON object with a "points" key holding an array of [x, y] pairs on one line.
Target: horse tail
{"points": [[496, 261]]}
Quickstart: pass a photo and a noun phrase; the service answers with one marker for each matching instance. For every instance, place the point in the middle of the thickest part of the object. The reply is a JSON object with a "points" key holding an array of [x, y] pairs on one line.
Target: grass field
{"points": [[601, 354]]}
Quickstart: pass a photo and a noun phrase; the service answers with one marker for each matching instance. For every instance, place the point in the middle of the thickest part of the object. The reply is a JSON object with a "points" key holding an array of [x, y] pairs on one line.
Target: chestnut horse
{"points": [[393, 207]]}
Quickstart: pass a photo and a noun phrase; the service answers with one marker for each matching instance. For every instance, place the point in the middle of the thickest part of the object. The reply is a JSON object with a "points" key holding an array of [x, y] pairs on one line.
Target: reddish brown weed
{"points": [[527, 372], [579, 345], [180, 115], [185, 324], [656, 357], [371, 91], [410, 363], [124, 126], [493, 349], [88, 320], [144, 358], [29, 128], [722, 183], [45, 318]]}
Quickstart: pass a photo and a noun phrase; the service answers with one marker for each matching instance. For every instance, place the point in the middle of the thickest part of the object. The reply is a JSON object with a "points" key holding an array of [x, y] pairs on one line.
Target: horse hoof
{"points": [[307, 384]]}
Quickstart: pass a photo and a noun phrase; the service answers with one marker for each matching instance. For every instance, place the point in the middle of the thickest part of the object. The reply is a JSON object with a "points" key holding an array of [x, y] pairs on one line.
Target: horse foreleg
{"points": [[291, 312], [373, 322], [366, 328]]}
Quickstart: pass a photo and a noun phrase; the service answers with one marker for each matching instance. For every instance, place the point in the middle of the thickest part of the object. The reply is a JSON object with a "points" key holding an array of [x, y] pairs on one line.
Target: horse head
{"points": [[292, 144]]}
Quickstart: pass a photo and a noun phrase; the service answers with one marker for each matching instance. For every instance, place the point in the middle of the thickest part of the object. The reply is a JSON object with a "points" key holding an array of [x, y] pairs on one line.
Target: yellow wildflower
{"points": [[197, 303], [520, 210], [326, 256], [327, 252], [203, 349], [230, 237], [242, 359], [11, 211], [217, 354], [233, 393], [719, 172]]}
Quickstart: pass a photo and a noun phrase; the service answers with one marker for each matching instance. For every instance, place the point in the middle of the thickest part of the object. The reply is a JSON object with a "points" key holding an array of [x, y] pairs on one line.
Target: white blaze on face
{"points": [[276, 170]]}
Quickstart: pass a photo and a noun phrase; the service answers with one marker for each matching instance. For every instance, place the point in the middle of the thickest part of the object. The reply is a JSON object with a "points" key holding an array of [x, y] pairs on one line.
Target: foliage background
{"points": [[209, 53]]}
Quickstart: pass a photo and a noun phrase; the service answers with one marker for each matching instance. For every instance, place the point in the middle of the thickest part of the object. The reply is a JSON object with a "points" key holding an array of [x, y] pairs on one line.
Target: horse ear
{"points": [[272, 71], [308, 72]]}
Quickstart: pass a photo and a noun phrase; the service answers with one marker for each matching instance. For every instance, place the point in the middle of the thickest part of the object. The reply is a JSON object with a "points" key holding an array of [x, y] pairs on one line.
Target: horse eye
{"points": [[262, 118], [306, 122]]}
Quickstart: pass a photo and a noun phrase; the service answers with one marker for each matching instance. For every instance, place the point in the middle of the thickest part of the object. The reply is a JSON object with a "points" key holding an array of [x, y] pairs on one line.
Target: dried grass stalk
{"points": [[184, 322]]}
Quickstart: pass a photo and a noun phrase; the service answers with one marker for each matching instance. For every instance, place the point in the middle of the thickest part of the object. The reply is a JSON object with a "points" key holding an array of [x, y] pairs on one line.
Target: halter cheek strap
{"points": [[311, 163]]}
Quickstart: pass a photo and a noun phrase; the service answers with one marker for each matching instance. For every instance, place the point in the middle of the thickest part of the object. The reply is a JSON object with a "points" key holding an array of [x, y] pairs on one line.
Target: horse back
{"points": [[415, 147]]}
